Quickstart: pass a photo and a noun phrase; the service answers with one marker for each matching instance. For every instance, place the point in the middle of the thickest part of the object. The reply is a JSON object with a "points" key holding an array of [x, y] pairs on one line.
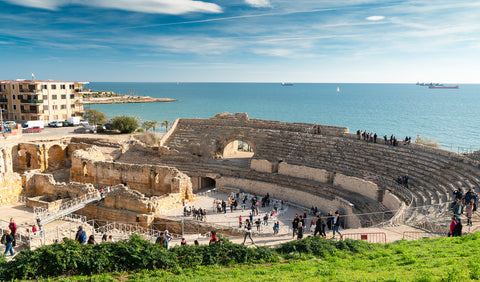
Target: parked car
{"points": [[35, 129], [83, 122], [86, 129], [109, 126], [101, 128], [68, 123], [55, 124]]}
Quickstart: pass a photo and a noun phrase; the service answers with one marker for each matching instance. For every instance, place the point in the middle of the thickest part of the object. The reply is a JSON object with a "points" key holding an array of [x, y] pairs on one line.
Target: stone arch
{"points": [[207, 182], [230, 147], [56, 157]]}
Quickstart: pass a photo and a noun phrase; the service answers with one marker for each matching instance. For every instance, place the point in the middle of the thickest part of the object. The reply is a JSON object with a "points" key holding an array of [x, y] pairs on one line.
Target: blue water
{"points": [[449, 116]]}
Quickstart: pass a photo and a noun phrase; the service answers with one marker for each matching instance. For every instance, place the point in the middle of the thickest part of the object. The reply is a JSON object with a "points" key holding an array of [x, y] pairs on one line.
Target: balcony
{"points": [[32, 112], [32, 101], [3, 100], [34, 91]]}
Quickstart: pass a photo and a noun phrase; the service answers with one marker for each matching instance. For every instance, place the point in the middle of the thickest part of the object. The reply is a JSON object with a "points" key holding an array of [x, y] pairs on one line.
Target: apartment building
{"points": [[23, 100]]}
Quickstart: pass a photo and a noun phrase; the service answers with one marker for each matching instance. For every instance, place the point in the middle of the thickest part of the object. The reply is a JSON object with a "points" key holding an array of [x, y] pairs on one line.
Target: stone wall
{"points": [[320, 175], [89, 167], [262, 165], [298, 197], [126, 205], [356, 185], [10, 182], [40, 184]]}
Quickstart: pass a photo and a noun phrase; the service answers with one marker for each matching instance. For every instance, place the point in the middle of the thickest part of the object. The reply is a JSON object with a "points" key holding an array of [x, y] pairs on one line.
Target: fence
{"points": [[371, 237]]}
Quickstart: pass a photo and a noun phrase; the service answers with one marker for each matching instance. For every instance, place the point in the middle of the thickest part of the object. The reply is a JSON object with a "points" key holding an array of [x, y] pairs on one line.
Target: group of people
{"points": [[318, 224], [81, 237], [367, 136], [372, 137], [465, 204], [198, 214], [403, 180]]}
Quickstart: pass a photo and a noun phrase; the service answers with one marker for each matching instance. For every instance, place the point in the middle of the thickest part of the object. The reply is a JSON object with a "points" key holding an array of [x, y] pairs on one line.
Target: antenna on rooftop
{"points": [[33, 77]]}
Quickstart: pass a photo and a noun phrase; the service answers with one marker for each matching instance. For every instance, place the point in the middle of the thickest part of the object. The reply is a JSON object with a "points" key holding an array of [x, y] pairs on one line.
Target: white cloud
{"points": [[172, 7], [258, 3], [375, 18]]}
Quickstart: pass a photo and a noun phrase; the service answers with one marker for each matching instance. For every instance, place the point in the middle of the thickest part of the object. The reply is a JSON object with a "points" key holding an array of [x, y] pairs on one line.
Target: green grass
{"points": [[442, 259]]}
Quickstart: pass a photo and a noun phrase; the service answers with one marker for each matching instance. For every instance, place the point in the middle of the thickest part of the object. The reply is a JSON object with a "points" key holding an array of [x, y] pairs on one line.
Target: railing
{"points": [[3, 100], [31, 112], [32, 101], [415, 235], [47, 216], [371, 237]]}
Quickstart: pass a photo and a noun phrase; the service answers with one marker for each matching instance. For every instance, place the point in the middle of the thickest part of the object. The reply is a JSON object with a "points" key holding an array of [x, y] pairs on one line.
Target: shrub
{"points": [[125, 124], [426, 142]]}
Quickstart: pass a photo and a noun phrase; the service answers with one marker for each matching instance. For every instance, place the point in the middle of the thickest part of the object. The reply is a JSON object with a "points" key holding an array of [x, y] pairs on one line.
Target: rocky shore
{"points": [[125, 99]]}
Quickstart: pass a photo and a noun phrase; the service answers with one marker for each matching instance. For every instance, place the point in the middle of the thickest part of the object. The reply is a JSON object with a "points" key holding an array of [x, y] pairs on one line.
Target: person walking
{"points": [[81, 237], [162, 240], [300, 231], [248, 231], [8, 242], [336, 224]]}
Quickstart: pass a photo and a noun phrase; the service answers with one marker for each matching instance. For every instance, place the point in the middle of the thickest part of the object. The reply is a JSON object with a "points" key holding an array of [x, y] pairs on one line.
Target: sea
{"points": [[449, 116]]}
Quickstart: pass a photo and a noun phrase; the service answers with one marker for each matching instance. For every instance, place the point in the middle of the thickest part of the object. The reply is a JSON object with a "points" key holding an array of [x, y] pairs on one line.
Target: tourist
{"points": [[110, 238], [196, 243], [457, 230], [336, 224], [81, 237], [469, 212], [240, 221], [276, 226], [104, 238], [452, 226], [13, 227], [251, 217], [8, 240], [265, 220], [458, 208], [213, 237], [248, 231], [91, 240], [258, 222], [162, 240], [300, 231], [313, 225], [169, 238], [183, 242], [34, 229], [295, 225]]}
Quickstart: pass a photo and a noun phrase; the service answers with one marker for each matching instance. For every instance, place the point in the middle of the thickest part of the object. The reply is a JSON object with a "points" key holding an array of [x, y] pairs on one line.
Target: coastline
{"points": [[125, 99]]}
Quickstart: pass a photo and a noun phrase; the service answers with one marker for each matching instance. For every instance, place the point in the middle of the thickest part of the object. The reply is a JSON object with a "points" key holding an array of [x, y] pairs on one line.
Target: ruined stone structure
{"points": [[306, 164]]}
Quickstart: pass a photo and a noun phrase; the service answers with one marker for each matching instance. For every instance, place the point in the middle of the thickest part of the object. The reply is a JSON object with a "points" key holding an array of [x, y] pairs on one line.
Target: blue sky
{"points": [[241, 40]]}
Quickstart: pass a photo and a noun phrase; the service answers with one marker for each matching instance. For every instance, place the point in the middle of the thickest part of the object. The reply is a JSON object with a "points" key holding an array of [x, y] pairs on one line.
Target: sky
{"points": [[339, 41]]}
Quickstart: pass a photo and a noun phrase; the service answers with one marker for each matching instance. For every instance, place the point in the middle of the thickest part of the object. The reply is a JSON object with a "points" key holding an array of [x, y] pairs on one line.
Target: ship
{"points": [[445, 87], [287, 84]]}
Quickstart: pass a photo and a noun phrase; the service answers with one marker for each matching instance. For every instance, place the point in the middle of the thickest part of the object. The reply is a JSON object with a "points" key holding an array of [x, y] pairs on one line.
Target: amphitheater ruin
{"points": [[304, 164]]}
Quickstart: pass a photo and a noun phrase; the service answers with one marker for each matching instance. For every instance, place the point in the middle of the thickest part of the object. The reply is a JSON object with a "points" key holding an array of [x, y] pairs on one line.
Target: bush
{"points": [[125, 124], [426, 142]]}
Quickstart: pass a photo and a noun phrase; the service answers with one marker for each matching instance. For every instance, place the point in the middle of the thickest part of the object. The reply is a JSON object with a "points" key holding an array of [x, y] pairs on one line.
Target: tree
{"points": [[125, 124], [154, 124], [94, 116], [147, 125], [166, 123]]}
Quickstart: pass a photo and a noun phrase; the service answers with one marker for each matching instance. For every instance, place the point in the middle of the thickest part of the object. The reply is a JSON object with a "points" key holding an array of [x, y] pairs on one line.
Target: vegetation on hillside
{"points": [[309, 259], [426, 141]]}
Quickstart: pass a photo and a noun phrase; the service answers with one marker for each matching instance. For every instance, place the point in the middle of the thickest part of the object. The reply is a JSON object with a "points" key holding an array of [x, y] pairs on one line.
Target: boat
{"points": [[287, 84], [444, 87]]}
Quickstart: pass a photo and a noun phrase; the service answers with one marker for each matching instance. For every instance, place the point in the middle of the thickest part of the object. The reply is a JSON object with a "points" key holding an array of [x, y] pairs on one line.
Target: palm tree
{"points": [[147, 125], [166, 123], [154, 124]]}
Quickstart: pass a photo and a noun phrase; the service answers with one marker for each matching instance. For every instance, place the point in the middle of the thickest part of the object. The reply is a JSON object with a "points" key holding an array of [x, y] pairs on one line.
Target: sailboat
{"points": [[338, 89]]}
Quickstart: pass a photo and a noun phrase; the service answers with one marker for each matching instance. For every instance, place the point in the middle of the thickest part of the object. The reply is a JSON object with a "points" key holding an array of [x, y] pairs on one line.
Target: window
{"points": [[20, 87], [22, 108], [54, 107], [71, 86], [13, 86], [13, 97], [20, 97], [45, 107], [72, 106], [44, 86], [54, 86], [62, 86], [64, 96], [63, 107], [72, 96], [14, 107], [45, 97], [54, 97]]}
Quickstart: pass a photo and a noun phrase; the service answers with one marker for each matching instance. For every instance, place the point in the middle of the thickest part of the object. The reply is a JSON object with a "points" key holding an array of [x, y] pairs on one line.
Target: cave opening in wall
{"points": [[207, 182]]}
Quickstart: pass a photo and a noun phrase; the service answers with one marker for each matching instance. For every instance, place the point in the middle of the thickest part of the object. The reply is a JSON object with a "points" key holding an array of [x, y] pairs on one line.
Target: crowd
{"points": [[372, 137], [403, 180], [318, 224]]}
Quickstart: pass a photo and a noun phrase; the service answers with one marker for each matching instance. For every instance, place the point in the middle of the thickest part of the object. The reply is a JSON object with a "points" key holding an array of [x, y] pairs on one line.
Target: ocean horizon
{"points": [[448, 116]]}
